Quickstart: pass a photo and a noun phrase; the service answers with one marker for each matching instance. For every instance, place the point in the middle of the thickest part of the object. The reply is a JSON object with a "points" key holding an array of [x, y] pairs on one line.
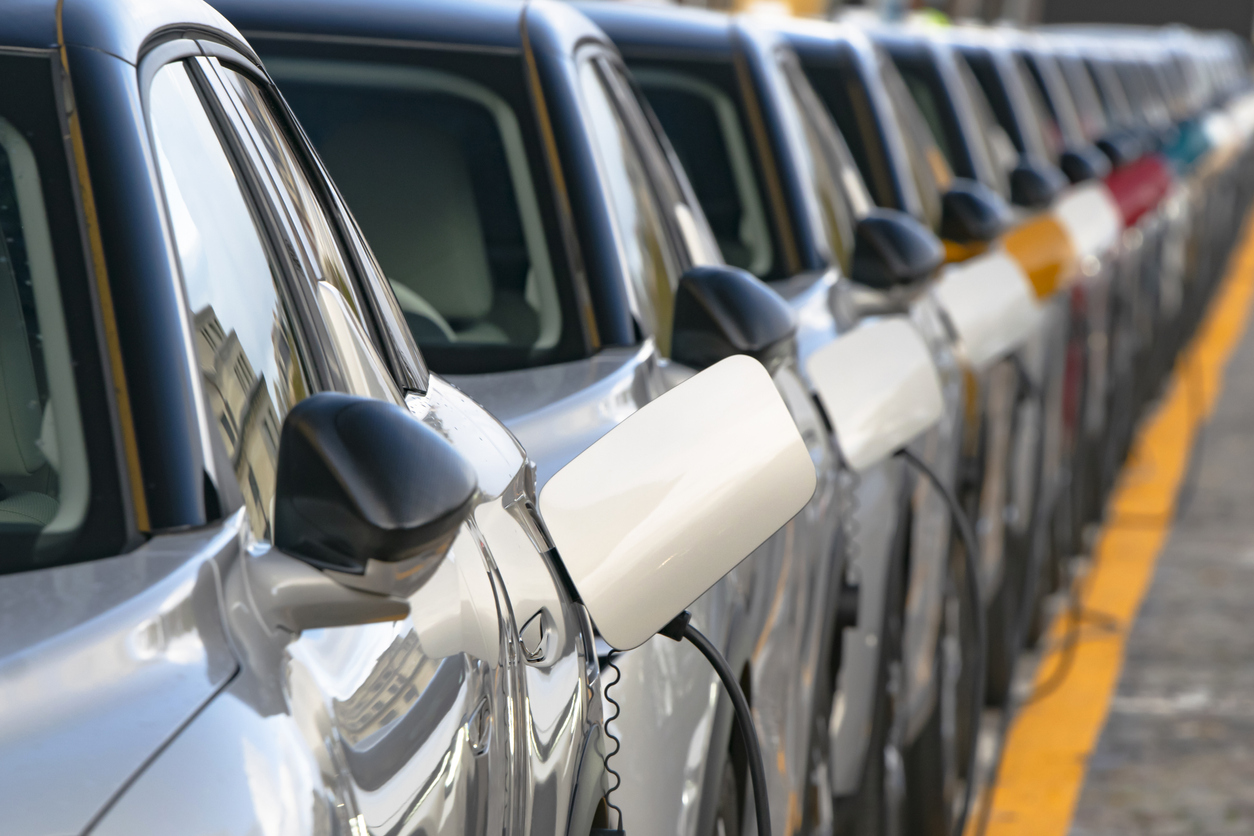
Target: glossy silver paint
{"points": [[446, 722]]}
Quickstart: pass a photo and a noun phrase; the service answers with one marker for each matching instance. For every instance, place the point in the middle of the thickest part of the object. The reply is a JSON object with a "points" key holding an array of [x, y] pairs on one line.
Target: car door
{"points": [[768, 613], [536, 699], [409, 726]]}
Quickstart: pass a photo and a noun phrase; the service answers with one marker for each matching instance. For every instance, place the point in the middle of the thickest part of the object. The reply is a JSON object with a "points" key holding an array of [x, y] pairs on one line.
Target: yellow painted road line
{"points": [[1049, 744]]}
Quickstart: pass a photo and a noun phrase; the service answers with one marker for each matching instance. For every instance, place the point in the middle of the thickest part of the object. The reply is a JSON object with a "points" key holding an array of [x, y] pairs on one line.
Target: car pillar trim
{"points": [[95, 243], [565, 215]]}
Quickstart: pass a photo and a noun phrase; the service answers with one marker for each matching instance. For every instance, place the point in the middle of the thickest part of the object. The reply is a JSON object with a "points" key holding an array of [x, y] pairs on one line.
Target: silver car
{"points": [[262, 572]]}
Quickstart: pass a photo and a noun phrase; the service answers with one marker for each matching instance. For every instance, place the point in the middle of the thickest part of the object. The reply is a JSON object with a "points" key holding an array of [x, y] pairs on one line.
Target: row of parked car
{"points": [[380, 377]]}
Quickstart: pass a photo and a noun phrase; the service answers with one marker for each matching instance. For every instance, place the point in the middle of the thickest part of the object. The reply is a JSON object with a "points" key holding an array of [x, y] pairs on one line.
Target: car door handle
{"points": [[479, 727], [534, 636]]}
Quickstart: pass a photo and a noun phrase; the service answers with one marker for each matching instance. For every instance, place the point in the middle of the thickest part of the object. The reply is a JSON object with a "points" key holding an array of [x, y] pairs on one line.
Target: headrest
{"points": [[409, 187], [20, 413]]}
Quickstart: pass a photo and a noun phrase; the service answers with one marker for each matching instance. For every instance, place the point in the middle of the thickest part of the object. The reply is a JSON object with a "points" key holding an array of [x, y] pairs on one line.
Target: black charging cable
{"points": [[972, 555], [681, 628]]}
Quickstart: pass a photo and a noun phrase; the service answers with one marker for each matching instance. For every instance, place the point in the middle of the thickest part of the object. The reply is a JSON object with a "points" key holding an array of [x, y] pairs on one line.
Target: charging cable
{"points": [[681, 628], [972, 555]]}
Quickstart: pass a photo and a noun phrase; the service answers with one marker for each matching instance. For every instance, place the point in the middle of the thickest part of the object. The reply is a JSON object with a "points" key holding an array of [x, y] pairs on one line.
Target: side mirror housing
{"points": [[892, 249], [1083, 164], [723, 311], [662, 506], [1034, 184], [367, 492], [972, 212], [879, 388], [1120, 147]]}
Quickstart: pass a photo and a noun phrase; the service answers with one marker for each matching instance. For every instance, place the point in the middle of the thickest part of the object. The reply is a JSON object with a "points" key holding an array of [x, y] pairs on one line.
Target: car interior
{"points": [[433, 167]]}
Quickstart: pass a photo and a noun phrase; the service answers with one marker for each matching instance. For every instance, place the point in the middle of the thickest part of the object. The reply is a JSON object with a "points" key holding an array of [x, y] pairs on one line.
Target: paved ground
{"points": [[1177, 753]]}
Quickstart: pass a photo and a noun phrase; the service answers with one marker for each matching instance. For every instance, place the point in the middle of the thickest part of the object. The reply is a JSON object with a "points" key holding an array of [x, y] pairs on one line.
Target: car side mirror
{"points": [[1084, 164], [892, 249], [657, 510], [972, 212], [722, 311], [1120, 147], [879, 388], [1034, 184]]}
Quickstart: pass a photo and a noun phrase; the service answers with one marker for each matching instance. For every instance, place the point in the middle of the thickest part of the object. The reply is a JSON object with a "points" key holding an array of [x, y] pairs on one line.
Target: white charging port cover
{"points": [[665, 504], [991, 305], [879, 387]]}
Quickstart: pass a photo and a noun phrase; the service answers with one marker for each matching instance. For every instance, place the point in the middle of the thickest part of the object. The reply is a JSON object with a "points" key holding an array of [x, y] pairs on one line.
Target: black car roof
{"points": [[637, 27], [491, 23], [117, 28]]}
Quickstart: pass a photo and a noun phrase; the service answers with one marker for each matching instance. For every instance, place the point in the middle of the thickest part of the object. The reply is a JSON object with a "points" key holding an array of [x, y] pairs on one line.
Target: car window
{"points": [[998, 146], [709, 139], [924, 87], [650, 264], [928, 166], [309, 233], [984, 70], [694, 240], [434, 168], [44, 478], [1042, 128], [841, 89], [837, 185], [252, 368], [1088, 106]]}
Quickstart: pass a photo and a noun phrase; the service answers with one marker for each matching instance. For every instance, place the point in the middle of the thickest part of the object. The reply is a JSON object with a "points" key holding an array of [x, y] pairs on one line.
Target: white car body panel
{"points": [[726, 469], [991, 305], [879, 386], [1091, 217]]}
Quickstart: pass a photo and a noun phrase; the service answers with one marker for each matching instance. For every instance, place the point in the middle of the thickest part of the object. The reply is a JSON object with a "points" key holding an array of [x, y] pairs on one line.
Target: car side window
{"points": [[252, 369], [710, 141], [44, 480], [838, 186], [310, 237], [645, 250]]}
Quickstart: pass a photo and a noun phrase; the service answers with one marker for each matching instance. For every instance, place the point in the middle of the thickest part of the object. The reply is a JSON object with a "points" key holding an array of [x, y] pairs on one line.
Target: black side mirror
{"points": [[971, 211], [361, 479], [721, 311], [1120, 147], [1083, 164], [1035, 184], [891, 248]]}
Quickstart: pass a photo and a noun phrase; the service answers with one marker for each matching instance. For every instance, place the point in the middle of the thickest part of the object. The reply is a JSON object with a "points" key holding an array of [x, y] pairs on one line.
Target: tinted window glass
{"points": [[990, 82], [841, 89], [434, 168], [44, 483], [250, 365], [1042, 108], [838, 187], [640, 231], [308, 232], [709, 139], [997, 143], [928, 166], [1088, 106], [61, 498]]}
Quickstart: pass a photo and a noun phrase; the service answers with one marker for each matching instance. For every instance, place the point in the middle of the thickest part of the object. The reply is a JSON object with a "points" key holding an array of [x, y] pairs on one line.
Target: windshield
{"points": [[434, 167]]}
